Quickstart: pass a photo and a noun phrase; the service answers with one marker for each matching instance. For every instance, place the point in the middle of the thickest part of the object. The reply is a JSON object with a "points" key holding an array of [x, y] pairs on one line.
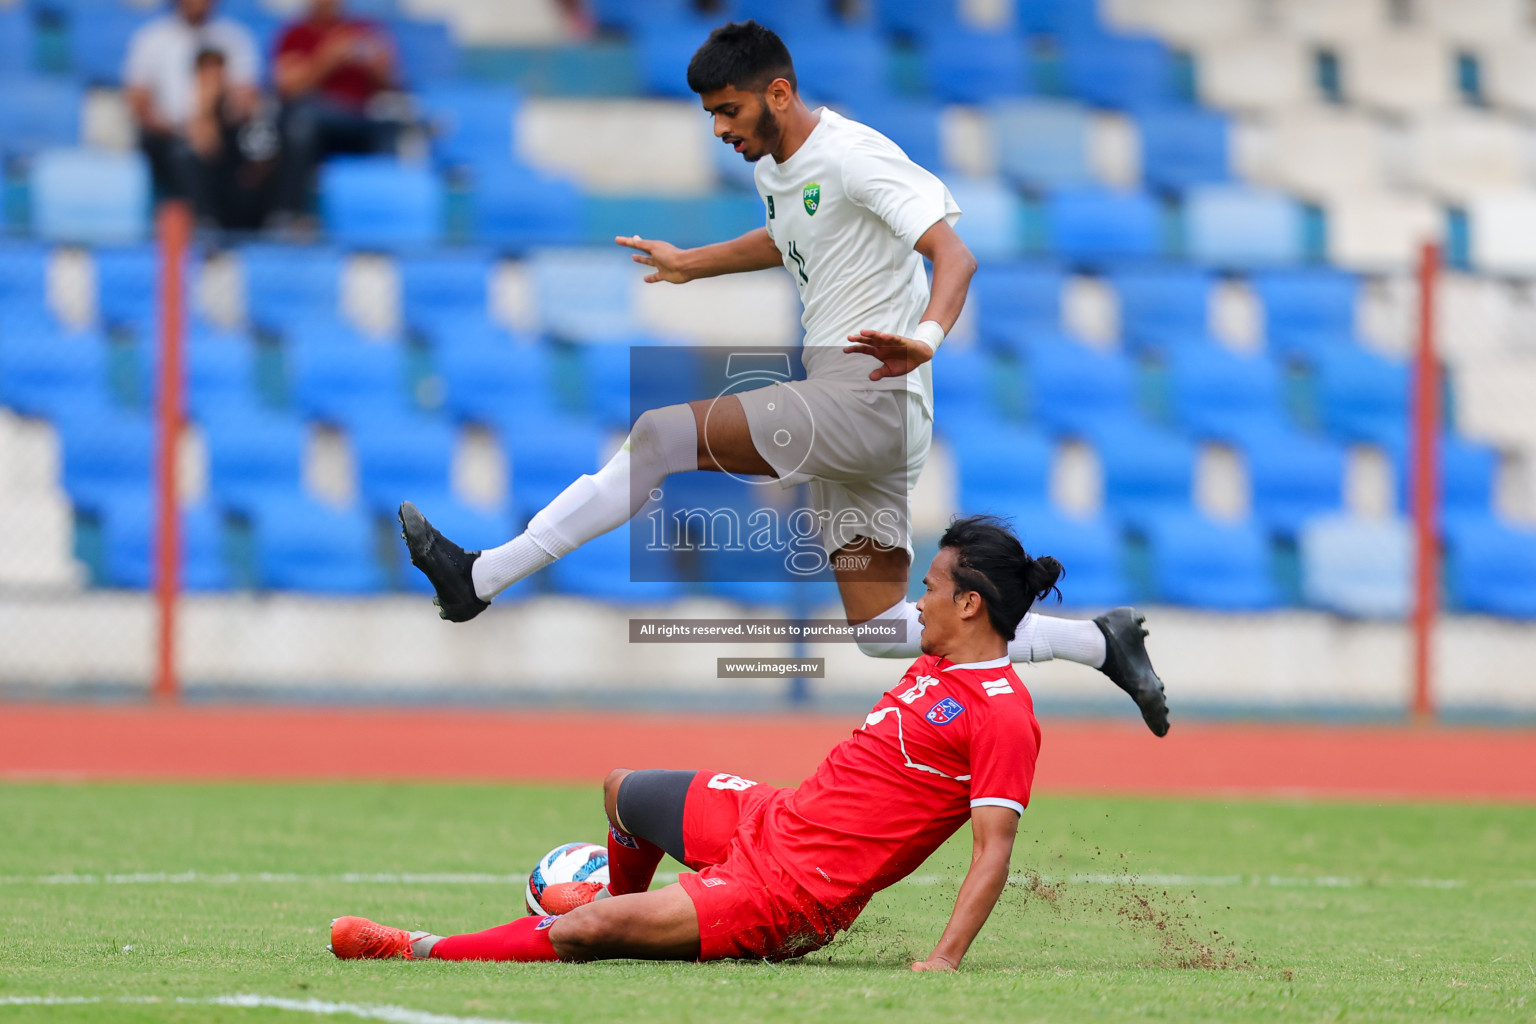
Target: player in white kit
{"points": [[852, 219]]}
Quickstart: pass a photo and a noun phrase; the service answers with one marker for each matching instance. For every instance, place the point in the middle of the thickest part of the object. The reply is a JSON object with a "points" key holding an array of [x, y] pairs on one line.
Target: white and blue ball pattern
{"points": [[573, 862]]}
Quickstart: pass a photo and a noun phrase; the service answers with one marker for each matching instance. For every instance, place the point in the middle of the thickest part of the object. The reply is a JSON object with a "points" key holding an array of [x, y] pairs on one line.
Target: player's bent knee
{"points": [[611, 785], [585, 933]]}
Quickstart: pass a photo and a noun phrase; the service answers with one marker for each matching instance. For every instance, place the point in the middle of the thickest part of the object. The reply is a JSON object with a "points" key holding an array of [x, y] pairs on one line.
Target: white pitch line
{"points": [[516, 879], [245, 1000]]}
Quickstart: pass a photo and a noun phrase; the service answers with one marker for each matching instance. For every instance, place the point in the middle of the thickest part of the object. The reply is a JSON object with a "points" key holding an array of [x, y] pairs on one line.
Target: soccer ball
{"points": [[573, 862]]}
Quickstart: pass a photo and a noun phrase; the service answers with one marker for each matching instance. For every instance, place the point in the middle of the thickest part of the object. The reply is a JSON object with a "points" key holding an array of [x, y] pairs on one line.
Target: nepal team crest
{"points": [[811, 195], [945, 711]]}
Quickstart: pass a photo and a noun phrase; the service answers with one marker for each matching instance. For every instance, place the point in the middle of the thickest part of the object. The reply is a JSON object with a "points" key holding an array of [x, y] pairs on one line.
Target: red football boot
{"points": [[357, 938], [564, 897]]}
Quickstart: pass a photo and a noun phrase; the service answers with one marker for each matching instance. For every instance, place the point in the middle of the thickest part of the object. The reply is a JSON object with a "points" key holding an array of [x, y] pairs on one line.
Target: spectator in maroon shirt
{"points": [[330, 70]]}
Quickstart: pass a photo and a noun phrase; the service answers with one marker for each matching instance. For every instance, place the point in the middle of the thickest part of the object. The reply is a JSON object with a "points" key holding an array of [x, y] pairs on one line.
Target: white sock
{"points": [[663, 441], [1038, 638], [906, 646], [1044, 637], [422, 943]]}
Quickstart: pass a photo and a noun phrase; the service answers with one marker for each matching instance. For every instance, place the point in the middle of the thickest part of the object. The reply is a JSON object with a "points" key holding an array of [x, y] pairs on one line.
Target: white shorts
{"points": [[861, 449]]}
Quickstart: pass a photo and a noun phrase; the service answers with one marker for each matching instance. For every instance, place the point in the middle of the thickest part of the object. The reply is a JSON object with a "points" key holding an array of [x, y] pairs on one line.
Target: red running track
{"points": [[67, 742]]}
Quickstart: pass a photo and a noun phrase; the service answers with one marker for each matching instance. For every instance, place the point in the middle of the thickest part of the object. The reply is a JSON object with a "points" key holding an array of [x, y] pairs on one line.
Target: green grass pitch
{"points": [[1245, 910]]}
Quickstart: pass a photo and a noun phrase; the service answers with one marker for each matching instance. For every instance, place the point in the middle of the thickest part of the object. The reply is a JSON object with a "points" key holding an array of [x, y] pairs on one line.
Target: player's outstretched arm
{"points": [[992, 833], [752, 251], [953, 266]]}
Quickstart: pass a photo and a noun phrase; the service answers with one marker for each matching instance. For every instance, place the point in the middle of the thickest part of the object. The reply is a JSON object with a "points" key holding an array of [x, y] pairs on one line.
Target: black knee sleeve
{"points": [[650, 805]]}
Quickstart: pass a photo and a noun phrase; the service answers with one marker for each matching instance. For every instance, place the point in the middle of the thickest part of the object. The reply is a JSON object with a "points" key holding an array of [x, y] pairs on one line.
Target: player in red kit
{"points": [[779, 871]]}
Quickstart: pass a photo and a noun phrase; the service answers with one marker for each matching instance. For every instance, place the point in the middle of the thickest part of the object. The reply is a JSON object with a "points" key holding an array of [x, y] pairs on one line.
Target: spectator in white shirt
{"points": [[161, 75]]}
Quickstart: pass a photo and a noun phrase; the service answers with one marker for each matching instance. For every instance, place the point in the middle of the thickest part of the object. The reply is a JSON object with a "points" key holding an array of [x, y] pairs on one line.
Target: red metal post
{"points": [[174, 228], [1425, 475]]}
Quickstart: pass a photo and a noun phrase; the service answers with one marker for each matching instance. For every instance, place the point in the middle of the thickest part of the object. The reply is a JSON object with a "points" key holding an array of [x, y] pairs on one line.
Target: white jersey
{"points": [[845, 212]]}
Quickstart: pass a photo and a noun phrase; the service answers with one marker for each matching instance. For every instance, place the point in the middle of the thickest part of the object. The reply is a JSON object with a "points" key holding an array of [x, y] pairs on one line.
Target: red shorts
{"points": [[749, 907]]}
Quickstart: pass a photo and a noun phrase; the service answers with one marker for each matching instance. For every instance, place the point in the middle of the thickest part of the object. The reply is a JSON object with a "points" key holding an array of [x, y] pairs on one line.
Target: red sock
{"points": [[526, 939], [631, 862]]}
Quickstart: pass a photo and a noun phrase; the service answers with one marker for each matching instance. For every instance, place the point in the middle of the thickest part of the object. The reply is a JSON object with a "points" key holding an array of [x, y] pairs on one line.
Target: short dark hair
{"points": [[990, 560], [743, 54]]}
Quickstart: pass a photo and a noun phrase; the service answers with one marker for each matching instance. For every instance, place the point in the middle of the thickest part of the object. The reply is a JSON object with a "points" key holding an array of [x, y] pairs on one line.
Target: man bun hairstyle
{"points": [[743, 54], [990, 560]]}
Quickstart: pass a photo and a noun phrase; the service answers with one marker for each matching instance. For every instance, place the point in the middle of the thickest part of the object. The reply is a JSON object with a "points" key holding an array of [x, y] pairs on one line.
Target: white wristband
{"points": [[930, 332]]}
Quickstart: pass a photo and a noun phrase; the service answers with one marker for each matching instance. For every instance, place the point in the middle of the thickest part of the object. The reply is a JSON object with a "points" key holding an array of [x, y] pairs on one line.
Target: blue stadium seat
{"points": [[584, 295], [1070, 18], [108, 452], [1092, 550], [24, 279], [1491, 568], [344, 381], [1217, 394], [1117, 71], [663, 48], [1203, 563], [1070, 388], [380, 202], [98, 41], [1239, 226], [1363, 396], [400, 456], [91, 196], [993, 221], [547, 456], [1042, 143], [471, 123], [45, 371], [609, 393], [628, 16], [424, 52], [38, 112], [1183, 146], [304, 545], [839, 65], [787, 17], [1102, 225], [965, 66], [469, 330], [219, 369], [129, 551], [469, 526], [1467, 472], [1003, 469], [1163, 304], [284, 281], [1308, 311], [961, 397], [489, 383], [515, 206], [253, 454], [913, 124], [917, 18], [1015, 302], [600, 569], [17, 41], [1293, 477], [683, 221], [1357, 567], [1147, 471], [448, 283], [127, 284]]}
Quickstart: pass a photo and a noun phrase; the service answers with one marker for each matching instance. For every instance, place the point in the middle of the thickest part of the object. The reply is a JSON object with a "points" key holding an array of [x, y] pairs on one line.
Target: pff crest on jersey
{"points": [[811, 195]]}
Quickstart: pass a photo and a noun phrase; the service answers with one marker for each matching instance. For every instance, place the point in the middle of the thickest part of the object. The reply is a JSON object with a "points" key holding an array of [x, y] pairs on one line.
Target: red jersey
{"points": [[945, 739], [349, 83]]}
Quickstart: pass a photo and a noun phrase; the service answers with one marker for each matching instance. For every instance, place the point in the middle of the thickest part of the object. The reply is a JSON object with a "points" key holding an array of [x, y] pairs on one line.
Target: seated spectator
{"points": [[238, 153], [329, 70], [161, 76]]}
